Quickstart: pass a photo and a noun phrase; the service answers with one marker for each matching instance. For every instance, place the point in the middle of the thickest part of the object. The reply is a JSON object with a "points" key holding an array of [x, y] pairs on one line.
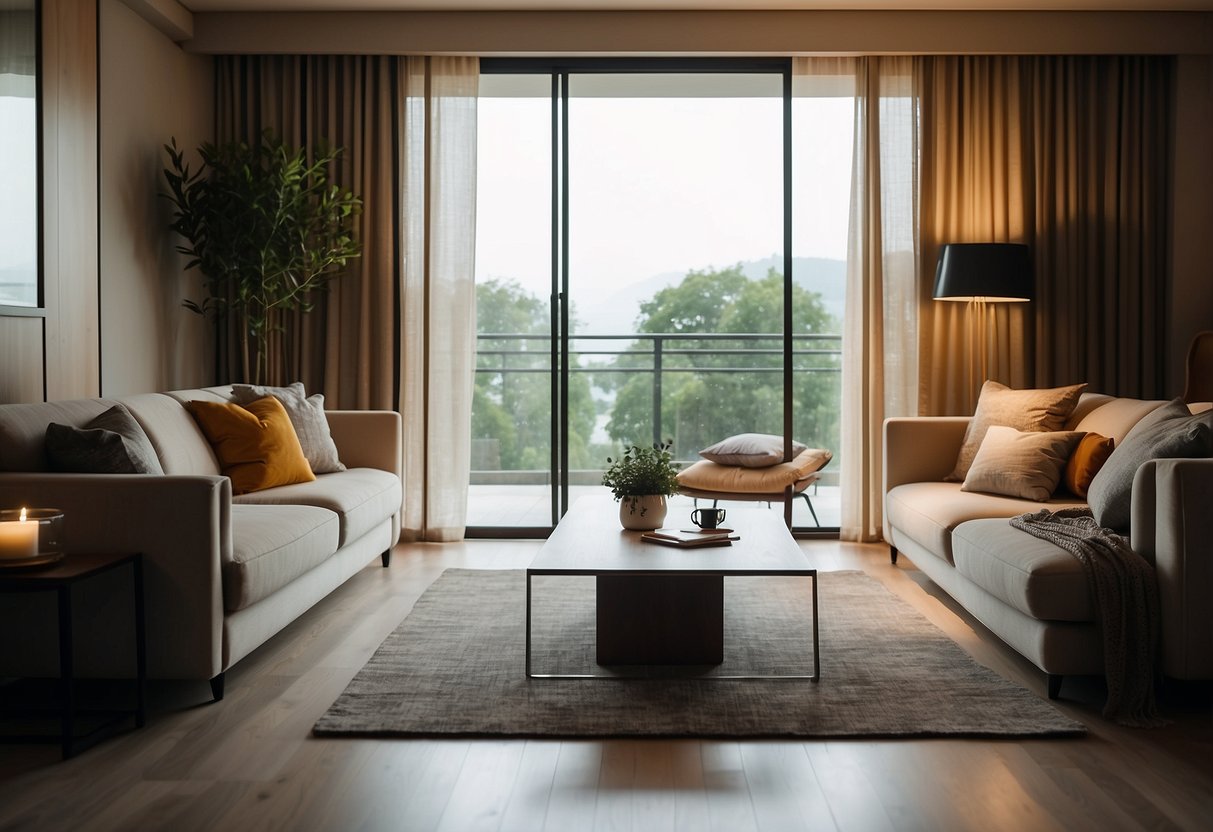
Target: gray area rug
{"points": [[455, 666]]}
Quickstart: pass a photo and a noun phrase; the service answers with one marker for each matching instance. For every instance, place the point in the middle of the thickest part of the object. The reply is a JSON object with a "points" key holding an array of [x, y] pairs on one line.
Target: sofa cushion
{"points": [[362, 497], [112, 443], [1044, 409], [272, 546], [175, 435], [927, 512], [23, 429], [1032, 575]]}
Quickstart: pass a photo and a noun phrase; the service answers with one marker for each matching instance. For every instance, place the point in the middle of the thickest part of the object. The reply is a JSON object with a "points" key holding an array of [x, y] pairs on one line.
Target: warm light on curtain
{"points": [[1070, 156]]}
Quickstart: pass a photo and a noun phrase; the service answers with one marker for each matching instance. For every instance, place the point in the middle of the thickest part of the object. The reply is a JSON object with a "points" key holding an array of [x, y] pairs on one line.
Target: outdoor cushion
{"points": [[709, 476], [272, 546], [362, 498], [1032, 575], [750, 450]]}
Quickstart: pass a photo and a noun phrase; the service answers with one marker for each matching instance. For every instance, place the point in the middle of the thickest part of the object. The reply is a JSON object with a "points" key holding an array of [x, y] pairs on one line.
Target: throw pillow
{"points": [[256, 445], [1034, 410], [1169, 432], [710, 476], [1090, 454], [750, 450], [1024, 464], [307, 416], [112, 443]]}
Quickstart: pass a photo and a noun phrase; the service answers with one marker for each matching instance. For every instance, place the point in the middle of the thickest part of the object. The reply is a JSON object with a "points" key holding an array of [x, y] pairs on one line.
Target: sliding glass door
{"points": [[634, 278]]}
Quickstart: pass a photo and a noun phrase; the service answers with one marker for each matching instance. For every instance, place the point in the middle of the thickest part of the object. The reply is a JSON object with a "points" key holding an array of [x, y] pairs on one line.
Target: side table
{"points": [[60, 579]]}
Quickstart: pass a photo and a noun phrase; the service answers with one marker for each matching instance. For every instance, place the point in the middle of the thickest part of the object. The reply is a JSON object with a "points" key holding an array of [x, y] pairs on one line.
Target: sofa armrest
{"points": [[921, 448], [1173, 527], [181, 525], [368, 439]]}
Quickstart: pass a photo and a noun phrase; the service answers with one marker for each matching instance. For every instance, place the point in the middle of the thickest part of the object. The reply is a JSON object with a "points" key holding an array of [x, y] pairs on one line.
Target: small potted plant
{"points": [[641, 480]]}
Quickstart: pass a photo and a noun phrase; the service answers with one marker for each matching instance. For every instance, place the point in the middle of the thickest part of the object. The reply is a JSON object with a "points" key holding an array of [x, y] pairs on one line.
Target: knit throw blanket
{"points": [[1126, 597]]}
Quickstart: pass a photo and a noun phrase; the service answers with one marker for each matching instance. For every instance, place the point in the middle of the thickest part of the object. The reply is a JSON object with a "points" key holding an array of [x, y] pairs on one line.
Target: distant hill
{"points": [[615, 312]]}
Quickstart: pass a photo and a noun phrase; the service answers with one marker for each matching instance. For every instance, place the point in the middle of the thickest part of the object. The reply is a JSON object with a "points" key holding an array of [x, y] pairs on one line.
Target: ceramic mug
{"points": [[707, 518]]}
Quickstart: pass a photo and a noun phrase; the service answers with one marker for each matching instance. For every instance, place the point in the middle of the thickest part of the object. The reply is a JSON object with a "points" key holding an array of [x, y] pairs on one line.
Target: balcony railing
{"points": [[507, 354]]}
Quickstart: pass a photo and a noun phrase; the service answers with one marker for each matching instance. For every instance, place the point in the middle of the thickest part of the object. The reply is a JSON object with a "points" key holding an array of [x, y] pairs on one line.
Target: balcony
{"points": [[502, 494]]}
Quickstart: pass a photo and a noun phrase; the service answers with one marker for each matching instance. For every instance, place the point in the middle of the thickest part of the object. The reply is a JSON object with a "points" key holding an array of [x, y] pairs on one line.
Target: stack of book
{"points": [[691, 538]]}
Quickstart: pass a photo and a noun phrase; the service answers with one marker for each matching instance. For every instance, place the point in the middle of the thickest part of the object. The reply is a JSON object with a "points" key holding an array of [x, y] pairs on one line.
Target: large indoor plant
{"points": [[641, 480], [266, 227]]}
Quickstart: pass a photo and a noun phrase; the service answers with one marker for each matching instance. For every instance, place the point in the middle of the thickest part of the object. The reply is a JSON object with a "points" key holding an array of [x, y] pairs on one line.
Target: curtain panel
{"points": [[1069, 155], [397, 331], [879, 333]]}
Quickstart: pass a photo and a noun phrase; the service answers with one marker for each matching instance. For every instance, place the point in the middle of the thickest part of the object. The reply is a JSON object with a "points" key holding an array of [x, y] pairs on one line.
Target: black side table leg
{"points": [[140, 646], [66, 671]]}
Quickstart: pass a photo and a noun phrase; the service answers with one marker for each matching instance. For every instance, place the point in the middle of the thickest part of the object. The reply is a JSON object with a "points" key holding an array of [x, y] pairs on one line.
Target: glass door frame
{"points": [[560, 69]]}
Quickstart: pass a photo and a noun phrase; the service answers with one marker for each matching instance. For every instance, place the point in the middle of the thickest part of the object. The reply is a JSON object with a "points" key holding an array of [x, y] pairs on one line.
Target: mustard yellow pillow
{"points": [[256, 444], [1089, 456]]}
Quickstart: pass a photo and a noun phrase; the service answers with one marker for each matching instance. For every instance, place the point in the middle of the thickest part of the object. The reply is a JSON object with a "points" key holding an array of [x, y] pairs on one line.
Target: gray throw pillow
{"points": [[307, 417], [750, 450], [112, 443], [1170, 432]]}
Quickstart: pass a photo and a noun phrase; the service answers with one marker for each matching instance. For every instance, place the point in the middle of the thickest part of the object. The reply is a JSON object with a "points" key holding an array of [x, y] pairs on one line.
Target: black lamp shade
{"points": [[983, 271]]}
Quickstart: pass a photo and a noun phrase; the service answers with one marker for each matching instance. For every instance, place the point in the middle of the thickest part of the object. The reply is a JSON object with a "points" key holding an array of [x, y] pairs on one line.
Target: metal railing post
{"points": [[657, 350]]}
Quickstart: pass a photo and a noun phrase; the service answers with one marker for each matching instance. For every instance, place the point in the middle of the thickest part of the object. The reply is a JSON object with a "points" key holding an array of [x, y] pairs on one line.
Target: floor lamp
{"points": [[981, 273]]}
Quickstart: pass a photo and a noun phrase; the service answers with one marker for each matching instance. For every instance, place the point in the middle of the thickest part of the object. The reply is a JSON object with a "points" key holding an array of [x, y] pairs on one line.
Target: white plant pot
{"points": [[642, 513]]}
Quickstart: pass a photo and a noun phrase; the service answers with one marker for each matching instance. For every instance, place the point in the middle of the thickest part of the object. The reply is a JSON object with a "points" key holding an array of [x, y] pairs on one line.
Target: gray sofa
{"points": [[1030, 593], [222, 574]]}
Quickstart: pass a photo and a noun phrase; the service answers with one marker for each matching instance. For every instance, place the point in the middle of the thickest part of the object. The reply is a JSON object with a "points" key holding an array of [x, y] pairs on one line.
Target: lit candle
{"points": [[19, 539]]}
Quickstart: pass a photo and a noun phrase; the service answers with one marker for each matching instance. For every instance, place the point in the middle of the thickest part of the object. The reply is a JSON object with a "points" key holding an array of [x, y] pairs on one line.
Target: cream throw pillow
{"points": [[1025, 464], [750, 450], [1032, 410]]}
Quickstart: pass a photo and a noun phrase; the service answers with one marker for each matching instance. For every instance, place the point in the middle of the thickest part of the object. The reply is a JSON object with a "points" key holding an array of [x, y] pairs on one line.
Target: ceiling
{"points": [[686, 5]]}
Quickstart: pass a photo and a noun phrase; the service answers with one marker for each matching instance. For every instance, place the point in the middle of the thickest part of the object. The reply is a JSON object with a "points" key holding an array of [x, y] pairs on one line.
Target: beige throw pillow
{"points": [[1024, 464], [1030, 410]]}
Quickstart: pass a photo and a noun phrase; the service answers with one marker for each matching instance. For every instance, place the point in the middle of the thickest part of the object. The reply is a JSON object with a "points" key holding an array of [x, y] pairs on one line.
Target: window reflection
{"points": [[18, 153]]}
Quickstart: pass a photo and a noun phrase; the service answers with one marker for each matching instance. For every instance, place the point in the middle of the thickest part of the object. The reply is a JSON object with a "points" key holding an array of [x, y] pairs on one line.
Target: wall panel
{"points": [[21, 346], [69, 89]]}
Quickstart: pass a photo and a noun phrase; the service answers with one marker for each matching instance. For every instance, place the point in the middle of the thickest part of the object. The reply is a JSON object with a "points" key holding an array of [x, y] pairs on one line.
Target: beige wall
{"points": [[150, 91]]}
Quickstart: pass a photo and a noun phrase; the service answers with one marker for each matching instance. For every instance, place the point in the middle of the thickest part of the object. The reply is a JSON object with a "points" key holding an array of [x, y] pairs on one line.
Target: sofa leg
{"points": [[893, 555], [386, 558], [1054, 685], [217, 687]]}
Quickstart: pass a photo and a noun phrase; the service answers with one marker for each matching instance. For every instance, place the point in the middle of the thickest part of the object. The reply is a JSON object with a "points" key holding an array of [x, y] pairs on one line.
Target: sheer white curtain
{"points": [[879, 334], [438, 293]]}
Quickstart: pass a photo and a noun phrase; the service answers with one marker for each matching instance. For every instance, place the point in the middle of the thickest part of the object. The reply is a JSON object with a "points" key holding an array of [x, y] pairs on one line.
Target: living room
{"points": [[119, 78]]}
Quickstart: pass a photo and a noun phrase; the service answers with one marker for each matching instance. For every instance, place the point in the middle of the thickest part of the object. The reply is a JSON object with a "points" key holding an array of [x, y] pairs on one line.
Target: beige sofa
{"points": [[1029, 592], [222, 574]]}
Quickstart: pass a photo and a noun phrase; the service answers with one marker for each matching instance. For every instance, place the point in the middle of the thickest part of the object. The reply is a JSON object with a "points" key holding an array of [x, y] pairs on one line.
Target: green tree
{"points": [[512, 411], [727, 386]]}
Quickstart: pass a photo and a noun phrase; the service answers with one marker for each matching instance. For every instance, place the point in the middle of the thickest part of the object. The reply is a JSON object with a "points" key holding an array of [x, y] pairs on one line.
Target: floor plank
{"points": [[251, 763]]}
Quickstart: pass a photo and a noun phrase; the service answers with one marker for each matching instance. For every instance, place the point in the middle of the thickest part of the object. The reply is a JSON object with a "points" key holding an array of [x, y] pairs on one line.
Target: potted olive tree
{"points": [[267, 229], [641, 480]]}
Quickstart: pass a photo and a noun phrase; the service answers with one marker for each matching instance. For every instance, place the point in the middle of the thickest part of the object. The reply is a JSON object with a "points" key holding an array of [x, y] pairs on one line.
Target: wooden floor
{"points": [[250, 763]]}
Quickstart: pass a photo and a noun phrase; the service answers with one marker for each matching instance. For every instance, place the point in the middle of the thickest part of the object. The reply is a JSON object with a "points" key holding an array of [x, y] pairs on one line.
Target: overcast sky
{"points": [[658, 185]]}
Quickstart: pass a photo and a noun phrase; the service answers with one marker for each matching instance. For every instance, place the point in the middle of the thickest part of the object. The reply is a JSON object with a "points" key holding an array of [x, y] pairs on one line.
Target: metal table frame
{"points": [[741, 573]]}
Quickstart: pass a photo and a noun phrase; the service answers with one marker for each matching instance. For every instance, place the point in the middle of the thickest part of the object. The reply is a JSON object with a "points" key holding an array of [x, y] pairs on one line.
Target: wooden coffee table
{"points": [[661, 605]]}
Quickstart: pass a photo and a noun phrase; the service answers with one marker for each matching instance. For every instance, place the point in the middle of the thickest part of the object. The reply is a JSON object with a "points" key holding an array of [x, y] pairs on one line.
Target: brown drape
{"points": [[347, 347], [1069, 155]]}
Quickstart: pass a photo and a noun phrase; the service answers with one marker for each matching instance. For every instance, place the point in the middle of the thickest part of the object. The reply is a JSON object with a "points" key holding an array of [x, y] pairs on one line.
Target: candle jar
{"points": [[32, 535]]}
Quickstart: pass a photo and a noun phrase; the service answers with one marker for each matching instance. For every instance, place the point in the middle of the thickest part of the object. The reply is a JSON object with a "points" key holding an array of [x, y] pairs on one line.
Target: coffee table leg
{"points": [[816, 649], [528, 624]]}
